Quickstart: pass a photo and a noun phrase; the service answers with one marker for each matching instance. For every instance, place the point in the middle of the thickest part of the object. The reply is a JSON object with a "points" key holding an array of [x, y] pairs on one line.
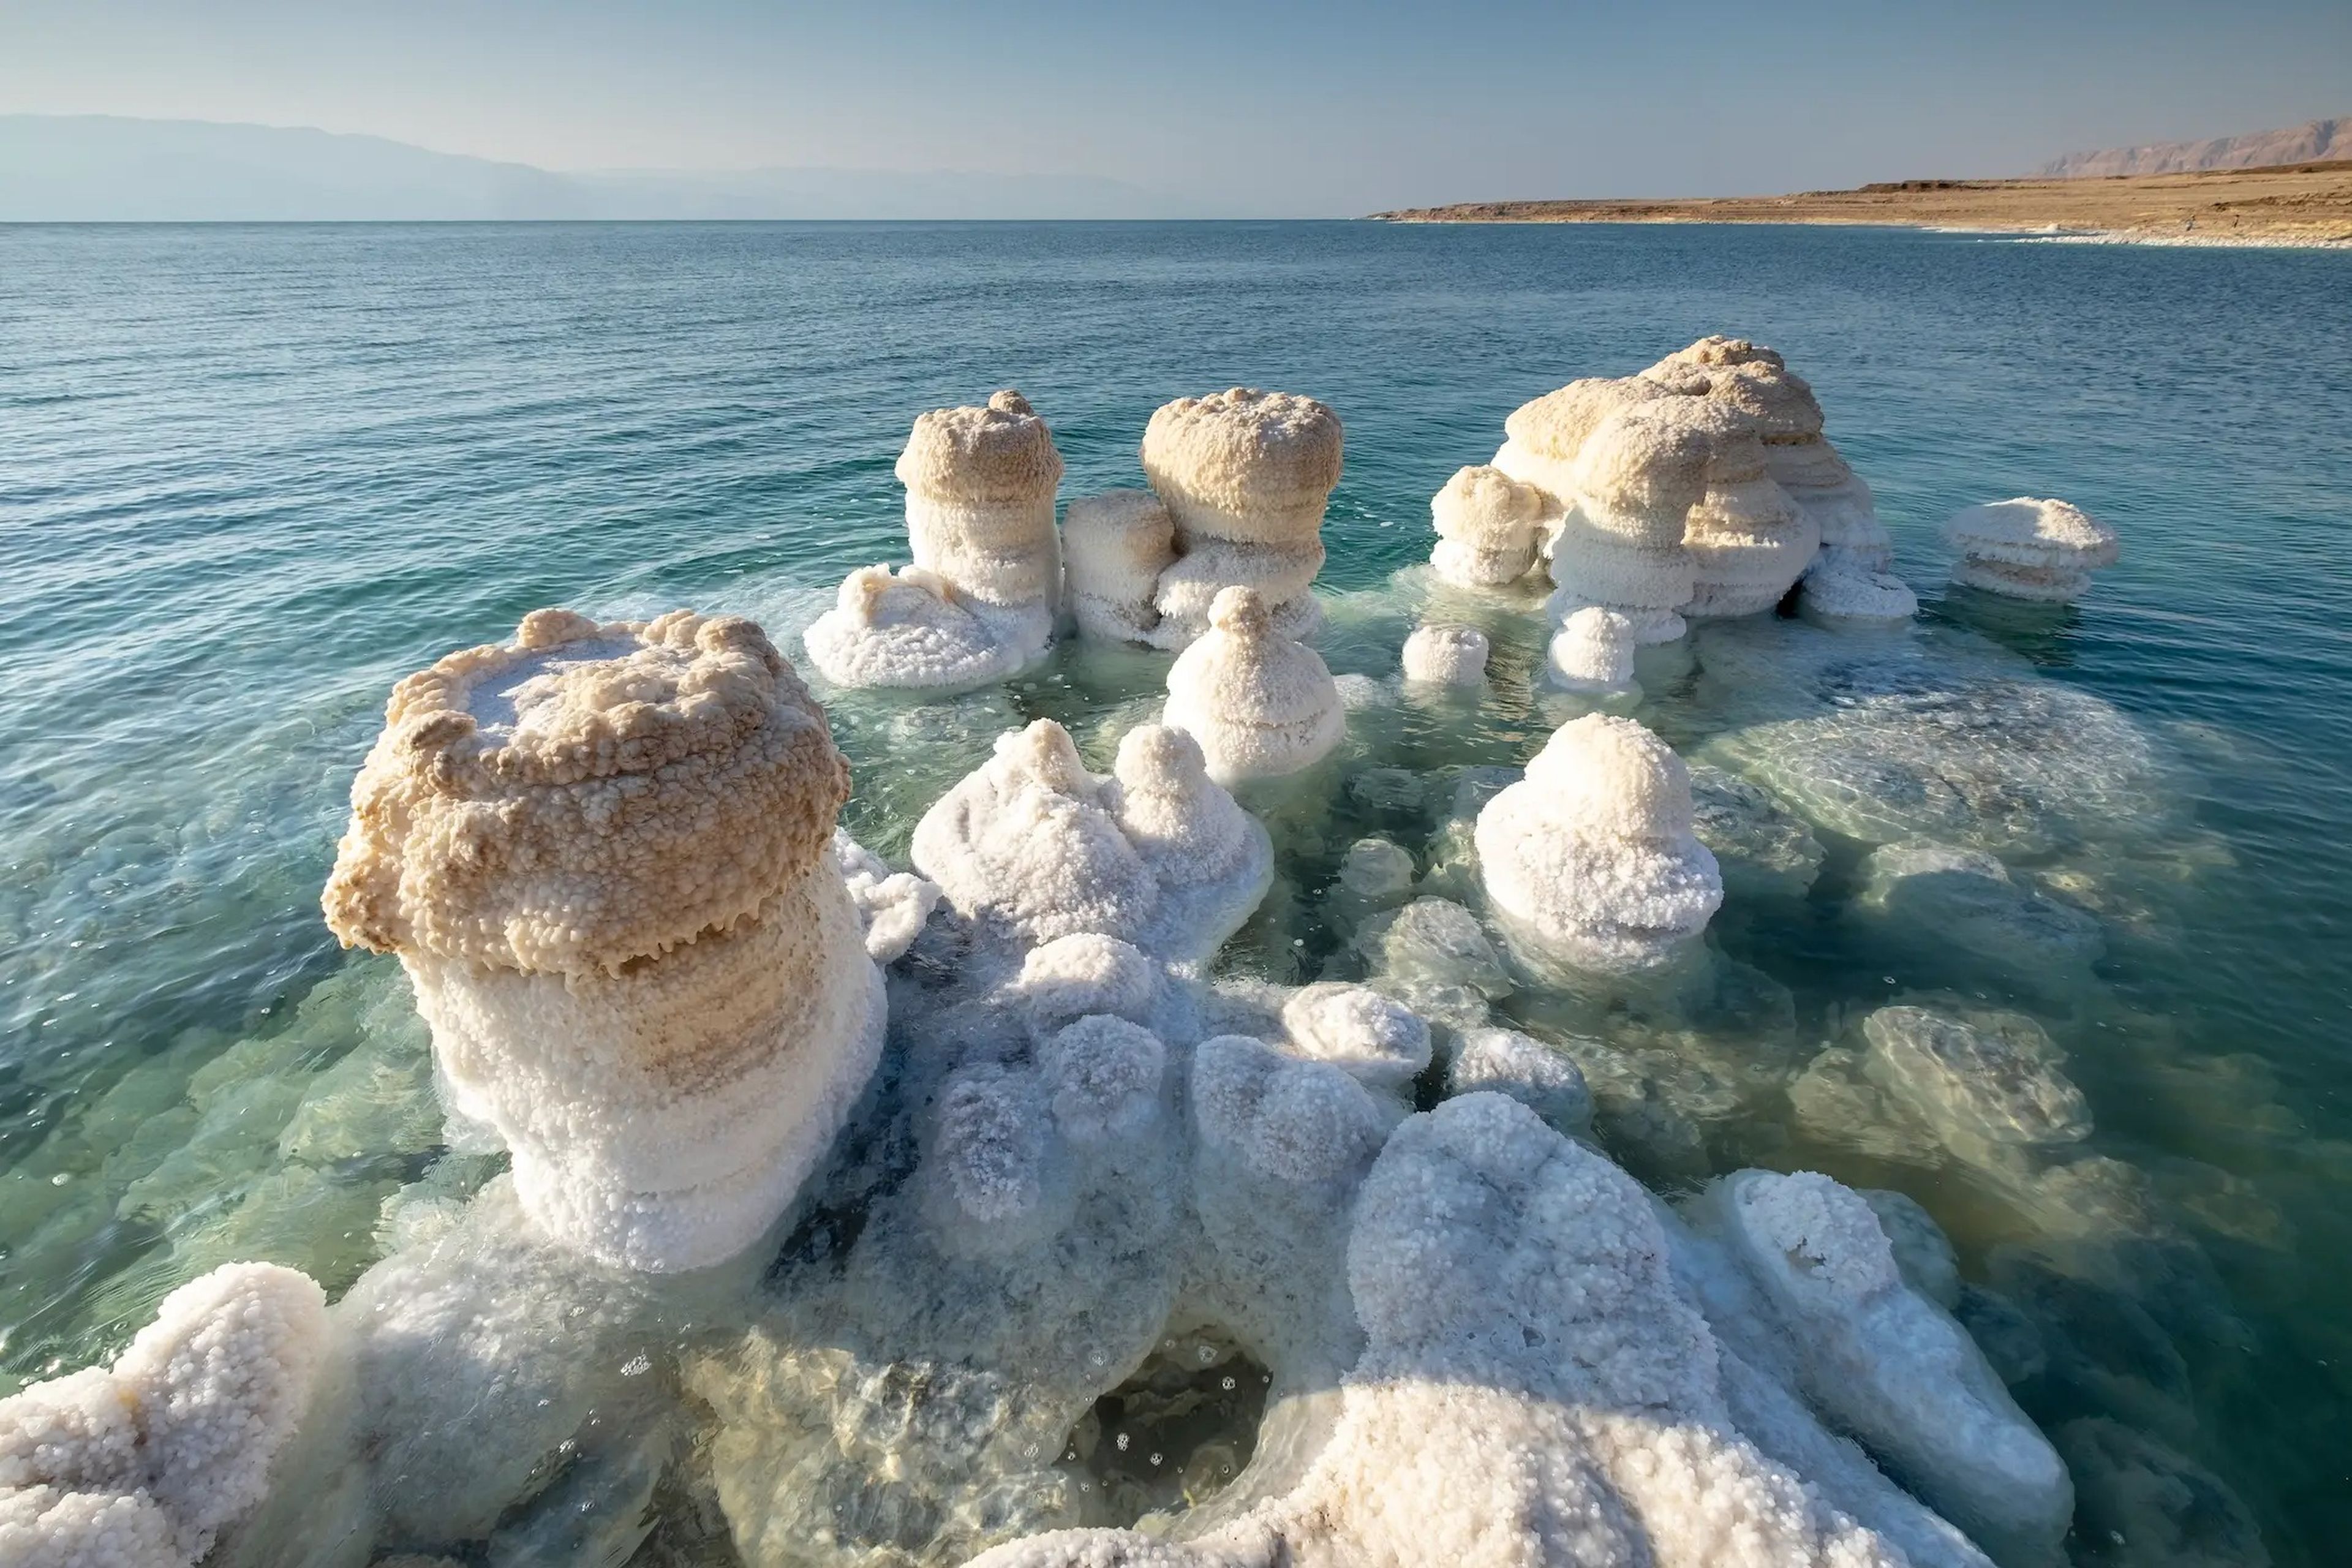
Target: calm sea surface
{"points": [[250, 476]]}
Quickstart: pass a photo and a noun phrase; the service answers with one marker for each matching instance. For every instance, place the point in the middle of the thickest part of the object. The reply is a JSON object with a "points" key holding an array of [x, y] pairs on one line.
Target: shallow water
{"points": [[252, 476]]}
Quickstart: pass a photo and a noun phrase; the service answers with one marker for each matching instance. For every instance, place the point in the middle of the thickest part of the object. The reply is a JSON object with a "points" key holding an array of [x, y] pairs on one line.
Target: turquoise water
{"points": [[250, 476]]}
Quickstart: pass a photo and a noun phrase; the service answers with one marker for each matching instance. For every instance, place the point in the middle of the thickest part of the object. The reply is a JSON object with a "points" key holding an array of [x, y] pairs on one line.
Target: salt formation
{"points": [[980, 523], [1590, 858], [1889, 1365], [142, 1464], [1592, 652], [1940, 898], [1245, 476], [1033, 846], [891, 905], [1445, 655], [603, 855], [1542, 438], [1115, 545], [1487, 528], [1749, 542], [2028, 549], [1375, 1040], [1836, 589], [1259, 703], [1636, 477]]}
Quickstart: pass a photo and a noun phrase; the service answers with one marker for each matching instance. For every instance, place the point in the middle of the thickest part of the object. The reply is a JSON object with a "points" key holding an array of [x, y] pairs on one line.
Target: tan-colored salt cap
{"points": [[999, 452]]}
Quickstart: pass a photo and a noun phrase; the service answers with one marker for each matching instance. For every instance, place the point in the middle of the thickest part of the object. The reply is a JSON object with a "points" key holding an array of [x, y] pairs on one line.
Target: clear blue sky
{"points": [[1247, 109]]}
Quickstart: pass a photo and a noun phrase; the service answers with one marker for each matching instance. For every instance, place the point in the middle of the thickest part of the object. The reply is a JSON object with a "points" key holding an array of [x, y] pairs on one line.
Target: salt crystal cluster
{"points": [[603, 855], [142, 1464], [1445, 655], [1592, 652], [1033, 846], [986, 586], [1591, 859], [1260, 703], [1242, 477], [1488, 527], [2028, 549]]}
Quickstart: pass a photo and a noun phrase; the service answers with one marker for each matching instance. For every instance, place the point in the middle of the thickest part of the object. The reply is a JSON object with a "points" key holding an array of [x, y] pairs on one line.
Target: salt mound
{"points": [[1245, 476], [891, 905], [142, 1464], [1115, 546], [2028, 549], [1891, 1366], [1543, 437], [1592, 651], [1749, 542], [1487, 527], [1590, 858], [1259, 703], [1636, 479], [979, 523], [1445, 655], [1354, 1028], [603, 856], [1033, 846], [1840, 589]]}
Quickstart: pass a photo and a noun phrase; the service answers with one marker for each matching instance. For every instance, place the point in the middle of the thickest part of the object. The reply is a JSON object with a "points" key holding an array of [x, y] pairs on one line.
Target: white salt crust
{"points": [[1445, 655], [1260, 704], [2028, 549]]}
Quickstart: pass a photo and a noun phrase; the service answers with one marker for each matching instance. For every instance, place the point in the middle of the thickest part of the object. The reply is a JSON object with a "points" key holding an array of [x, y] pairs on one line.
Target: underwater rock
{"points": [[1592, 651], [987, 579], [143, 1463], [1033, 846], [1445, 655], [1885, 1362], [1942, 897], [1114, 547], [1434, 942], [1245, 476], [1922, 1251], [2028, 549], [603, 856], [2139, 1502], [1590, 858], [1488, 526], [1761, 848], [1982, 1078], [1259, 703], [1375, 875]]}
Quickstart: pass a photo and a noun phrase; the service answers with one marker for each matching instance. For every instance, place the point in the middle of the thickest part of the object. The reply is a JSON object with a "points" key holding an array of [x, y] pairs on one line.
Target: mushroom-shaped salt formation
{"points": [[1591, 857], [1033, 848], [1245, 475], [1749, 542], [980, 522], [1488, 525], [1260, 703], [911, 630], [1114, 547], [603, 856], [1592, 651], [1542, 438], [2028, 549], [1889, 1365], [142, 1464], [1758, 382], [1638, 476], [1445, 655]]}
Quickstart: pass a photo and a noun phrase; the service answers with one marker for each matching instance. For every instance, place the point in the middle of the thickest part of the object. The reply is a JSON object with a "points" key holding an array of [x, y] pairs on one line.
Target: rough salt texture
{"points": [[914, 630], [1032, 847], [1592, 651], [1445, 655], [1245, 476], [1748, 541], [1114, 548], [142, 1464], [1837, 590], [980, 502], [1890, 1365], [1488, 525], [1505, 1061], [2028, 549], [1592, 858], [604, 855], [1259, 703], [891, 905], [1354, 1028], [1544, 437], [585, 795]]}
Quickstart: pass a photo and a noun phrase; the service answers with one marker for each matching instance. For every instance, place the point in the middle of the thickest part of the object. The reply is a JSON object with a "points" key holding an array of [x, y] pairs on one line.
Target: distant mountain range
{"points": [[2316, 140], [103, 168]]}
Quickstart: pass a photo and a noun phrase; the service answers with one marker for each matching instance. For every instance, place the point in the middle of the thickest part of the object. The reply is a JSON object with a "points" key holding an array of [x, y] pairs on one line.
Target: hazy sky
{"points": [[1276, 109]]}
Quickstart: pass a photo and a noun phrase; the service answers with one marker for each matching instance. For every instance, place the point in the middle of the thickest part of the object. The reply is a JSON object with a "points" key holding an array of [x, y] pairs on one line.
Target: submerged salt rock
{"points": [[1245, 476], [1886, 1363], [2138, 1501], [603, 855], [1950, 896], [1445, 655], [913, 630], [1034, 847], [1115, 546], [1981, 1077], [1488, 524], [1592, 651], [1592, 858], [1760, 847], [142, 1464], [2028, 549], [1258, 703]]}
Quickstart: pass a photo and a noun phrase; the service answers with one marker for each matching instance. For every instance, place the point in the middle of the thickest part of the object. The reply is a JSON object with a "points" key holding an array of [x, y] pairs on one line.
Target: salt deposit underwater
{"points": [[1942, 871]]}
